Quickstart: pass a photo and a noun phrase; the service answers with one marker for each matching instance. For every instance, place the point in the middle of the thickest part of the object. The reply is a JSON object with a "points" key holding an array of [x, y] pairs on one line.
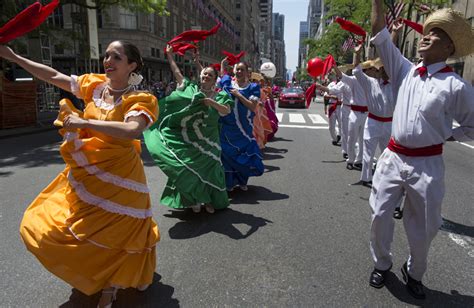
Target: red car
{"points": [[292, 97]]}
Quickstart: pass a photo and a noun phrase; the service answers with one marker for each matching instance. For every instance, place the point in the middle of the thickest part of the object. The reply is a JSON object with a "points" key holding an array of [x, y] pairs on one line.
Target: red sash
{"points": [[431, 150], [333, 107], [359, 108], [380, 119]]}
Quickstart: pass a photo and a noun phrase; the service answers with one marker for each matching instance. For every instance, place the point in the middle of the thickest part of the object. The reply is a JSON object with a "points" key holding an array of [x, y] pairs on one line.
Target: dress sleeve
{"points": [[83, 86], [463, 113], [141, 103], [224, 99]]}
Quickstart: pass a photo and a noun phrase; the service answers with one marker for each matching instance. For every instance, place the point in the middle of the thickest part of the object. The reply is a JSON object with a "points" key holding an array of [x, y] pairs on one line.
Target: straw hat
{"points": [[377, 63], [345, 67], [456, 26], [367, 64]]}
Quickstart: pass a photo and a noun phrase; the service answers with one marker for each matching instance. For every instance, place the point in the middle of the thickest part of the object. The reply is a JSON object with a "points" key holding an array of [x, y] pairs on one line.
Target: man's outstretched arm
{"points": [[377, 16]]}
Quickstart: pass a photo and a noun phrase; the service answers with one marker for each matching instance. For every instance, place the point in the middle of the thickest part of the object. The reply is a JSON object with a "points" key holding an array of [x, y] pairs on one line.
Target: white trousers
{"points": [[355, 135], [334, 130], [344, 116], [422, 179], [376, 133]]}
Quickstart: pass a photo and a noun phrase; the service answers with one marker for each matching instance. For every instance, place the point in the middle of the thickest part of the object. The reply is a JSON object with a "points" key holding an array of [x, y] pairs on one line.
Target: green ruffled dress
{"points": [[184, 142]]}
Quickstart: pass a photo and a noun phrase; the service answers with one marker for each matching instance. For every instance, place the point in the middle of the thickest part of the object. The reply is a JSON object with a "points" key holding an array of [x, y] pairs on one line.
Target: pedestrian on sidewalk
{"points": [[430, 96], [184, 142], [92, 226]]}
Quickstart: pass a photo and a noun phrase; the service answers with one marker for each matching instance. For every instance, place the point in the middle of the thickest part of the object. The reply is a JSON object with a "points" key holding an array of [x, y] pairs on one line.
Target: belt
{"points": [[380, 119], [359, 108], [431, 150]]}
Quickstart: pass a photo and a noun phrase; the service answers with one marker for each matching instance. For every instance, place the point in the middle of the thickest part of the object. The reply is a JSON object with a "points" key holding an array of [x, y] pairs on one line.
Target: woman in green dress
{"points": [[184, 142]]}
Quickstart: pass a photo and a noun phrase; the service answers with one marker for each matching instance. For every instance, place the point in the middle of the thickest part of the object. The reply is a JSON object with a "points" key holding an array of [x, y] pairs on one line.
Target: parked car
{"points": [[292, 97]]}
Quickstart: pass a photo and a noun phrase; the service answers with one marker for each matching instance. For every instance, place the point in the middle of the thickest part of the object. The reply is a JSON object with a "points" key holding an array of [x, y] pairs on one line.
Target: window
{"points": [[99, 19], [151, 23], [58, 49], [56, 18], [128, 20], [237, 18], [152, 51]]}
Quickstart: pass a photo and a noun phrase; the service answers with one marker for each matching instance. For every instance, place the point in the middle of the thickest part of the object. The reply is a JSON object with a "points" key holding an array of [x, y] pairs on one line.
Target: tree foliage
{"points": [[146, 6]]}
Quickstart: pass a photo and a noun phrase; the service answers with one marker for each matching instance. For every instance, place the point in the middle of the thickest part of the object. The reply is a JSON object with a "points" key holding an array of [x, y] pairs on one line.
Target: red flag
{"points": [[415, 26], [217, 66], [351, 27], [26, 21], [329, 62], [233, 59], [195, 35], [309, 94]]}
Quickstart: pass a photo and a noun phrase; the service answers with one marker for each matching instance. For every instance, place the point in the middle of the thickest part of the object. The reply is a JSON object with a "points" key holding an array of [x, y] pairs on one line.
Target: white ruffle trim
{"points": [[105, 204], [254, 98], [146, 250], [99, 102], [75, 87], [136, 113]]}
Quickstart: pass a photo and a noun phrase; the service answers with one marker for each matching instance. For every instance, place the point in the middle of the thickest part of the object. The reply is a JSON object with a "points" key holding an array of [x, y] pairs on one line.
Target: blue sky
{"points": [[294, 11]]}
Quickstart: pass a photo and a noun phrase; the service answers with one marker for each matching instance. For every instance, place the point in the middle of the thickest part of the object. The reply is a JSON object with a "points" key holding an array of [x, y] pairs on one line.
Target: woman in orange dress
{"points": [[92, 226]]}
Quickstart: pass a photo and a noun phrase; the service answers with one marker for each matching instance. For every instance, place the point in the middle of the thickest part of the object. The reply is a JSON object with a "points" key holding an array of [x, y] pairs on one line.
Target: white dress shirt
{"points": [[379, 96], [425, 106], [342, 91], [358, 94]]}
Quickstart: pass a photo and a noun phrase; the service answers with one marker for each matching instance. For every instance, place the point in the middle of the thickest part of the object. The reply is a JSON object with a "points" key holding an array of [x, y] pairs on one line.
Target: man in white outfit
{"points": [[357, 117], [333, 112], [429, 97], [380, 102]]}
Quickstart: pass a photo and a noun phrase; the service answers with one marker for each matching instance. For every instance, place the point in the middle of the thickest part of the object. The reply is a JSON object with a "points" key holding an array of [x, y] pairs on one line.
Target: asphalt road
{"points": [[297, 238]]}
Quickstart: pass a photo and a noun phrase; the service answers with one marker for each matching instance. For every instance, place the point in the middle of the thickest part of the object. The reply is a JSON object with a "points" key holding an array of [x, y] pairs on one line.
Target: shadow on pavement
{"points": [[279, 139], [267, 168], [157, 295], [274, 150], [267, 156], [333, 161], [222, 222], [457, 228], [433, 298], [45, 155], [254, 195]]}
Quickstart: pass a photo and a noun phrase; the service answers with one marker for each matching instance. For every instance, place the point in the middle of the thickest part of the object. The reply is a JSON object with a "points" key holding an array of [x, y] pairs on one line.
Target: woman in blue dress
{"points": [[241, 155]]}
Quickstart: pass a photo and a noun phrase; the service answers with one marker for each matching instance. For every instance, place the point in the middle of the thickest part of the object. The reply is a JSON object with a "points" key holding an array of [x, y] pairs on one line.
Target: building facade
{"points": [[265, 35], [302, 47], [279, 44]]}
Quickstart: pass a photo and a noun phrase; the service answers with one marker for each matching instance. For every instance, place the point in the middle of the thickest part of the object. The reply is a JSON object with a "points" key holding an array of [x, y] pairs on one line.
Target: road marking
{"points": [[297, 118], [279, 116], [317, 119], [465, 144], [464, 242], [303, 126]]}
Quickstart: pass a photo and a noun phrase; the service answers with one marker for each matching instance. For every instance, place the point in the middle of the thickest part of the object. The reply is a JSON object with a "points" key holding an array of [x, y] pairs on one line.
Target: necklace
{"points": [[118, 90]]}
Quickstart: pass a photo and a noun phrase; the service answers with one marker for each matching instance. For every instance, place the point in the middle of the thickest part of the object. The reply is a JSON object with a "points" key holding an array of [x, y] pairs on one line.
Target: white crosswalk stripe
{"points": [[296, 118], [317, 119]]}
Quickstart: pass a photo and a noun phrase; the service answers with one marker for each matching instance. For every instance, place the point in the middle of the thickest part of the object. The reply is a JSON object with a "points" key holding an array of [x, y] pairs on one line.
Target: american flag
{"points": [[393, 13], [348, 44]]}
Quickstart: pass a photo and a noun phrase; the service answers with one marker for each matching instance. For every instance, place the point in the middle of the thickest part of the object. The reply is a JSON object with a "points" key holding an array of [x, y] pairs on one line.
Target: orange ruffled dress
{"points": [[92, 226]]}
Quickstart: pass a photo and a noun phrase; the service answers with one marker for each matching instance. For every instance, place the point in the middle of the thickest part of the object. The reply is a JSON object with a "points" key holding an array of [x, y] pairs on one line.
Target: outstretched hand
{"points": [[397, 26], [169, 49], [6, 52], [359, 48], [74, 121]]}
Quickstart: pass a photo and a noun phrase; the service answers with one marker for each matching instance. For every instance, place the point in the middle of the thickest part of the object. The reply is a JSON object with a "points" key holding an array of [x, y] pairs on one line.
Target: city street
{"points": [[297, 238]]}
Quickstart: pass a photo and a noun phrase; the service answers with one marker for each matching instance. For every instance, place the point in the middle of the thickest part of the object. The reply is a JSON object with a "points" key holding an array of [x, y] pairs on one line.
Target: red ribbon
{"points": [[380, 119], [309, 94], [351, 27], [180, 47], [233, 59], [359, 108], [415, 26], [195, 35], [26, 21]]}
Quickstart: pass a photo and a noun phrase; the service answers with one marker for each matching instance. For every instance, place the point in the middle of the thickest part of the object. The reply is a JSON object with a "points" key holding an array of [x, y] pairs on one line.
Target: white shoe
{"points": [[196, 208], [243, 187], [209, 208]]}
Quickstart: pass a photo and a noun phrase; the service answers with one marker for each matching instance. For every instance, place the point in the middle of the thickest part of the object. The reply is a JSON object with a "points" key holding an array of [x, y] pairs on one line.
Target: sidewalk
{"points": [[44, 123]]}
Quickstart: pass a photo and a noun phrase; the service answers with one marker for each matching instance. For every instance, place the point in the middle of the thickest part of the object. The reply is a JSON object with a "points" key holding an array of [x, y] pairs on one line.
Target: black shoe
{"points": [[358, 166], [350, 166], [367, 184], [345, 155], [377, 277], [338, 138], [414, 287], [334, 142], [398, 213]]}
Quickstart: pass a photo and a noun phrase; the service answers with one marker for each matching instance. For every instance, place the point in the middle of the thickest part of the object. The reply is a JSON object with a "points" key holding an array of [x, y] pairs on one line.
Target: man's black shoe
{"points": [[345, 155], [367, 184], [334, 142], [377, 277], [358, 166], [398, 213], [414, 287]]}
